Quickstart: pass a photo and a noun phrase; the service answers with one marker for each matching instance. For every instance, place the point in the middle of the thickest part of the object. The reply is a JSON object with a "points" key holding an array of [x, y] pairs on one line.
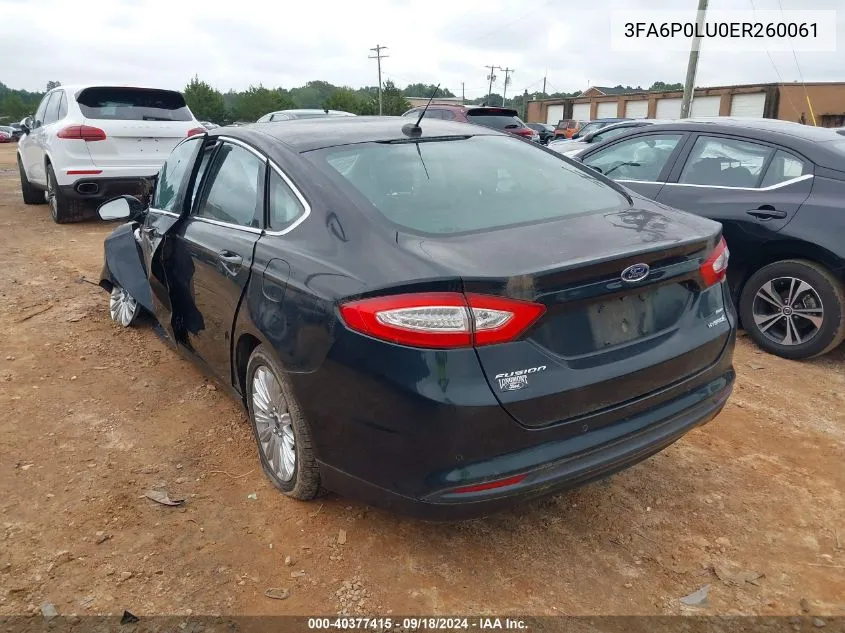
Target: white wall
{"points": [[705, 106], [581, 112], [554, 114], [668, 109], [606, 110], [752, 104], [636, 109]]}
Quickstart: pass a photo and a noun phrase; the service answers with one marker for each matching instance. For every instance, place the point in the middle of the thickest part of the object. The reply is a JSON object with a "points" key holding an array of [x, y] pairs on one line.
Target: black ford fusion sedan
{"points": [[438, 320]]}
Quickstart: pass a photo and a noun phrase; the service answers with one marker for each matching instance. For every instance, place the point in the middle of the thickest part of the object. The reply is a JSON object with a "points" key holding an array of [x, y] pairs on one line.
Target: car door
{"points": [[640, 162], [33, 150], [753, 188], [209, 262], [170, 200]]}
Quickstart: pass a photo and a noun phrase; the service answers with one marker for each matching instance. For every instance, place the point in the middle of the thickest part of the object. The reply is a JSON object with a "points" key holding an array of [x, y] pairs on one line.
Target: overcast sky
{"points": [[235, 44]]}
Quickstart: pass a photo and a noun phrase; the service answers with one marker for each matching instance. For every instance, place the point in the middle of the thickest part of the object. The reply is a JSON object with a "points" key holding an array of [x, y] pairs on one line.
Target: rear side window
{"points": [[133, 104], [235, 193], [62, 107], [498, 120], [784, 166], [725, 162], [285, 207], [465, 185]]}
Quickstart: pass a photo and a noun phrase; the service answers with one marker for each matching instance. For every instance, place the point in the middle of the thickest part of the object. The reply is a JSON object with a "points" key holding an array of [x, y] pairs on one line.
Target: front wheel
{"points": [[794, 309], [281, 431], [123, 307]]}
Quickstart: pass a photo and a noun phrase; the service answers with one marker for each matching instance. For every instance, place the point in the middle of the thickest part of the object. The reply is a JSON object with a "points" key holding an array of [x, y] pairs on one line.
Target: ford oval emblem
{"points": [[635, 273]]}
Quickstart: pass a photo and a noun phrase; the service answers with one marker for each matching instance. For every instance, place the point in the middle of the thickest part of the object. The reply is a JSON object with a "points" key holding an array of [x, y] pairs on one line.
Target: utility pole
{"points": [[505, 89], [692, 65], [378, 56], [463, 93], [492, 78], [544, 85]]}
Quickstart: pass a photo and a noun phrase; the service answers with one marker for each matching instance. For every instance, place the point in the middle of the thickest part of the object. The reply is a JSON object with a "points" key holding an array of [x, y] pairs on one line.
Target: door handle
{"points": [[767, 212], [231, 261]]}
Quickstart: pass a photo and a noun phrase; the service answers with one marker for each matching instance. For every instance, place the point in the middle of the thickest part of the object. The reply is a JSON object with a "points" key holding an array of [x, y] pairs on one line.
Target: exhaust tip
{"points": [[87, 188]]}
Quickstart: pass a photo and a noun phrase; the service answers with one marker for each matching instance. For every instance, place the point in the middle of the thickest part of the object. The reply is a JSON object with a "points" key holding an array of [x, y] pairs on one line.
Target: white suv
{"points": [[86, 144]]}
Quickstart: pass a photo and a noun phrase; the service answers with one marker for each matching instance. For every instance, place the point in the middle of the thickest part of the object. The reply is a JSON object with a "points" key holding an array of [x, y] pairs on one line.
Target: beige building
{"points": [[789, 102]]}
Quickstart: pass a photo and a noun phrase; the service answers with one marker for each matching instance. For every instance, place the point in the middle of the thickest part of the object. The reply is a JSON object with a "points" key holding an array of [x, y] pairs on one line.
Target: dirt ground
{"points": [[92, 415]]}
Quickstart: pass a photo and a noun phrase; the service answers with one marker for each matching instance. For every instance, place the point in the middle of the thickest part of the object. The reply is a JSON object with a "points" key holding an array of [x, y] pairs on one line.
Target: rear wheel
{"points": [[31, 195], [62, 208], [794, 309], [281, 432]]}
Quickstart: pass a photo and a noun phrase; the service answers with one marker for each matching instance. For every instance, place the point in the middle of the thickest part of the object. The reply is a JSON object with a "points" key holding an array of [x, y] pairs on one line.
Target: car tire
{"points": [[63, 209], [277, 420], [123, 307], [30, 194], [818, 322]]}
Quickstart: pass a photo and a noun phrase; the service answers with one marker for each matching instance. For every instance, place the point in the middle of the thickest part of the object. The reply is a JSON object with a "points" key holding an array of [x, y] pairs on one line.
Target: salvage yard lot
{"points": [[93, 415]]}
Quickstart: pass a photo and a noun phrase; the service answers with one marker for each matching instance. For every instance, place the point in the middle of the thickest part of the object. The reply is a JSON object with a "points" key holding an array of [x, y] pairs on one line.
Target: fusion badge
{"points": [[513, 380]]}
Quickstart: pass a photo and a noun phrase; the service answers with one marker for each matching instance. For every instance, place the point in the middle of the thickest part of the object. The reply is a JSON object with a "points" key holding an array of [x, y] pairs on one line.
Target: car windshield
{"points": [[133, 104], [464, 185]]}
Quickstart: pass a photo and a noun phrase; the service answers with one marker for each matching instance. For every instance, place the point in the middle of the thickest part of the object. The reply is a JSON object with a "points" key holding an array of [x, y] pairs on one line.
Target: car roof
{"points": [[303, 135], [752, 127]]}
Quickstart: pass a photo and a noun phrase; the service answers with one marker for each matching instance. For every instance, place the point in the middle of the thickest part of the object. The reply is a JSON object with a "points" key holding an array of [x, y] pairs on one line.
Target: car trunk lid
{"points": [[602, 341]]}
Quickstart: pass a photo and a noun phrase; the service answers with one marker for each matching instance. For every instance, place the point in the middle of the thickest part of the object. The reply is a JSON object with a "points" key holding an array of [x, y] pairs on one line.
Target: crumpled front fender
{"points": [[123, 265]]}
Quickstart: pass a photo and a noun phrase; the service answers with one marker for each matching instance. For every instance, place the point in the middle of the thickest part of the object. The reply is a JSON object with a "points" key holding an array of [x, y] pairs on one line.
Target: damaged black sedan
{"points": [[439, 320]]}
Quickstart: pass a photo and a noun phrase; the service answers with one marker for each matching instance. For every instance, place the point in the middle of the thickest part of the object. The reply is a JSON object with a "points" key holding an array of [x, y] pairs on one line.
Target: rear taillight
{"points": [[82, 133], [526, 132], [196, 130], [441, 319], [715, 267]]}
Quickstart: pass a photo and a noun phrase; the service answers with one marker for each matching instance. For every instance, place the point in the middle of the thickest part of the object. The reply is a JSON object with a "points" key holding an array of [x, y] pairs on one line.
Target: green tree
{"points": [[204, 101], [660, 86], [425, 90], [313, 94], [257, 101], [347, 100], [13, 108], [394, 102], [53, 84]]}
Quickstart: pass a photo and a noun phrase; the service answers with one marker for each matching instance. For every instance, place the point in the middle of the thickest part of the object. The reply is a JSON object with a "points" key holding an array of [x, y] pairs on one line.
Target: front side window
{"points": [[464, 185], [39, 113], [641, 158], [172, 174], [784, 166], [724, 162], [599, 137], [235, 193]]}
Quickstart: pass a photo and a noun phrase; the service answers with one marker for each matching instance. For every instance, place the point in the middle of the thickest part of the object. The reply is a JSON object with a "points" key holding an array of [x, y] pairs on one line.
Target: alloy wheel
{"points": [[788, 311], [273, 424], [123, 307]]}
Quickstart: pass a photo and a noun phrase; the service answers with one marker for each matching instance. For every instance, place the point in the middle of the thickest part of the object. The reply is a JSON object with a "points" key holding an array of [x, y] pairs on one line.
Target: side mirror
{"points": [[26, 124], [120, 208]]}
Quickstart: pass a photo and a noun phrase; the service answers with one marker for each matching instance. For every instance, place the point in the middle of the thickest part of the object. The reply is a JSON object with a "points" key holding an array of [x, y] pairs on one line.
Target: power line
{"points": [[772, 60], [800, 75], [378, 56]]}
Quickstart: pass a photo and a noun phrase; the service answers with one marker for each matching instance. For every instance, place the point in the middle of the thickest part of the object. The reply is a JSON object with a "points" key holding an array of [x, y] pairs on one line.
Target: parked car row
{"points": [[452, 278]]}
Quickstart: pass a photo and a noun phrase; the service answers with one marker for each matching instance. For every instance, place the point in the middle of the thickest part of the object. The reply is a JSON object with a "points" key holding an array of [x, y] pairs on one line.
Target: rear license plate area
{"points": [[621, 320]]}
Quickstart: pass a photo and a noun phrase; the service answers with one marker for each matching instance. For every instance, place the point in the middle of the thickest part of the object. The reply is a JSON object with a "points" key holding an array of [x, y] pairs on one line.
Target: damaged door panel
{"points": [[123, 265]]}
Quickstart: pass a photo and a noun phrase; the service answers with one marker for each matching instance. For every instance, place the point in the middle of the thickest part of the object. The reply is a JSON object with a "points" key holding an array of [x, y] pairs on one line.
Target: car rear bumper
{"points": [[582, 461], [100, 188]]}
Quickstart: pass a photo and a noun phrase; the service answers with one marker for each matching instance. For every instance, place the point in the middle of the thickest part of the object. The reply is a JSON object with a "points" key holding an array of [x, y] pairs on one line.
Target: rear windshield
{"points": [[497, 119], [469, 184], [565, 124], [133, 104]]}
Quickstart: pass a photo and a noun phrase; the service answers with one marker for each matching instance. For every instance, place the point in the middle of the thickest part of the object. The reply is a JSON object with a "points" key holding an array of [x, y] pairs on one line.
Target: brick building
{"points": [[776, 101]]}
